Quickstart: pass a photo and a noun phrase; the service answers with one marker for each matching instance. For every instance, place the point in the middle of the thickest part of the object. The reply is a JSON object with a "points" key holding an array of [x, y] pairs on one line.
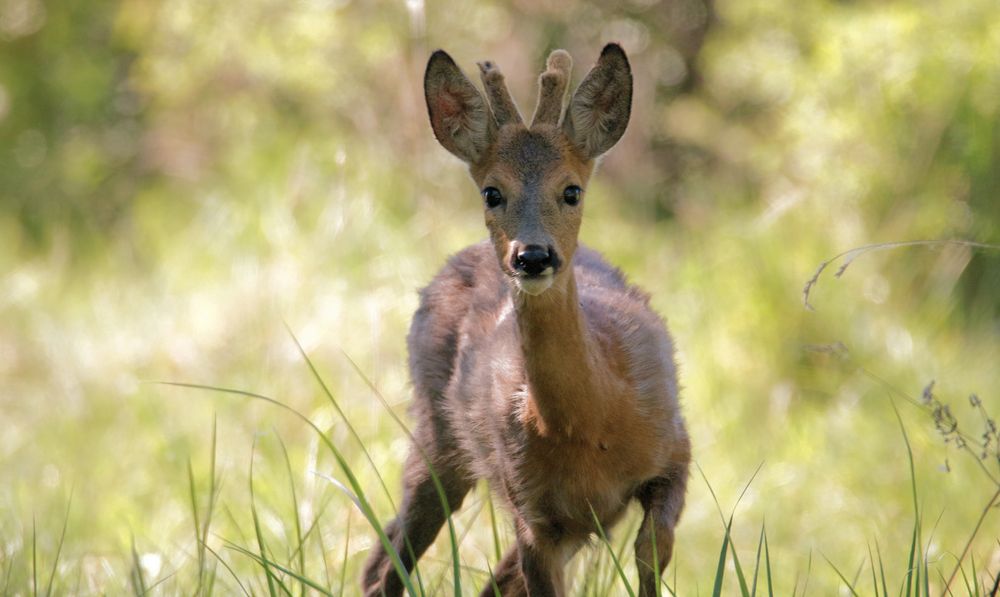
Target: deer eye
{"points": [[572, 195], [492, 197]]}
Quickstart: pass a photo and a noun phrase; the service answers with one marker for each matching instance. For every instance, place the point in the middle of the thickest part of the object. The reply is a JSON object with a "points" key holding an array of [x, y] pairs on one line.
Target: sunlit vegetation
{"points": [[180, 180]]}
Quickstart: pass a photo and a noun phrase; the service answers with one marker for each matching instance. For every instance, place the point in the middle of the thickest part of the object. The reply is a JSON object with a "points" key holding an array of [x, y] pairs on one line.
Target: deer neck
{"points": [[565, 374]]}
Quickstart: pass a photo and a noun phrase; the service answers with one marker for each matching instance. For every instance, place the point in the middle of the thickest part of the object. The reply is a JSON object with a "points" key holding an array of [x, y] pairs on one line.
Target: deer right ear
{"points": [[461, 120]]}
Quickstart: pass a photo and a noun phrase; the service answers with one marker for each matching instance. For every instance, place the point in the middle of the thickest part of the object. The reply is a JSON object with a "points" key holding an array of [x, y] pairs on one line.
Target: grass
{"points": [[288, 570], [289, 553]]}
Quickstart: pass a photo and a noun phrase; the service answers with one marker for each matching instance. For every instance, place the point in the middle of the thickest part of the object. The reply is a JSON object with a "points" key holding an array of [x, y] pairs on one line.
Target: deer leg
{"points": [[662, 500], [507, 580], [532, 568], [420, 518], [536, 566], [540, 554]]}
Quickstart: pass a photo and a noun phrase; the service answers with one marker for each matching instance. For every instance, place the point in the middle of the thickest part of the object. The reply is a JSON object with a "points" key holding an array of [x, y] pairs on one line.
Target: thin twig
{"points": [[851, 254]]}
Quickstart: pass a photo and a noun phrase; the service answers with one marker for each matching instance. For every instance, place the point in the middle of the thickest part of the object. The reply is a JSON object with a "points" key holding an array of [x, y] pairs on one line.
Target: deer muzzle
{"points": [[534, 267]]}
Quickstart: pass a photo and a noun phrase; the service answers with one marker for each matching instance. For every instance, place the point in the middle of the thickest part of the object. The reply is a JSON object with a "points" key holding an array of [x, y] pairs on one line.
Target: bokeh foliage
{"points": [[178, 177]]}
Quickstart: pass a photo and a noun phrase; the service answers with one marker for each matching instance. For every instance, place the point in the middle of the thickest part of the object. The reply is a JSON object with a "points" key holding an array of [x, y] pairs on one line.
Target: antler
{"points": [[552, 85], [504, 109]]}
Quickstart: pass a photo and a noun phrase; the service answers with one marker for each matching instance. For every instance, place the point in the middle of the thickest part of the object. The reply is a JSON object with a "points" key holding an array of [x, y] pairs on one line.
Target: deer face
{"points": [[532, 179], [533, 202]]}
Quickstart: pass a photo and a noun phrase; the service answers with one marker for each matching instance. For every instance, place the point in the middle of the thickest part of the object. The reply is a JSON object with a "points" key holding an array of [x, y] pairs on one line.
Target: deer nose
{"points": [[533, 260]]}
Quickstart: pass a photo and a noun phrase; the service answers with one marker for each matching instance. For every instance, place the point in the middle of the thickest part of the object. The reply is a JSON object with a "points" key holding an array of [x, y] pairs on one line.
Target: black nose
{"points": [[533, 260]]}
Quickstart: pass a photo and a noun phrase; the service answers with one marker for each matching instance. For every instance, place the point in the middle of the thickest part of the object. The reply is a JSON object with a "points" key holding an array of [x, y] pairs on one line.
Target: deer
{"points": [[535, 365]]}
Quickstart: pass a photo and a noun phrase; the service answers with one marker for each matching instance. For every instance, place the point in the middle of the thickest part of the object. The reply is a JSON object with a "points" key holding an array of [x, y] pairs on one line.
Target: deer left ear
{"points": [[600, 108]]}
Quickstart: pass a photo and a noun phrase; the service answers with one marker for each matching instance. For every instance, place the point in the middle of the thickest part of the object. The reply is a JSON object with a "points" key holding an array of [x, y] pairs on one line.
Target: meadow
{"points": [[215, 216]]}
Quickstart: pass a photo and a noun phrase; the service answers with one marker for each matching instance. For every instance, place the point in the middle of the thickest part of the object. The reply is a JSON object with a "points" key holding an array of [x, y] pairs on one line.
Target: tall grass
{"points": [[290, 554], [913, 580], [281, 564]]}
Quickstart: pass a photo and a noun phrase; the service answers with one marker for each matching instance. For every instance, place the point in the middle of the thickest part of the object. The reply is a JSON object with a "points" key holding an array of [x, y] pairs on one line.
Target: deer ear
{"points": [[600, 108], [461, 120]]}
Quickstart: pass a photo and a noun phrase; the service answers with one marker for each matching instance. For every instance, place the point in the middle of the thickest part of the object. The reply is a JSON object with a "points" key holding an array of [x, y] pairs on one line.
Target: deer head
{"points": [[533, 179]]}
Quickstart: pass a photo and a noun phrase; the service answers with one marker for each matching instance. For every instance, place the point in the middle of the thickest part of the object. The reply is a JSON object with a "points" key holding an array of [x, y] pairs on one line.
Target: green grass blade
{"points": [[343, 417], [493, 526], [153, 586], [673, 590], [767, 565], [947, 590], [260, 535], [62, 538], [614, 557], [266, 563], [227, 567], [908, 585], [350, 427], [744, 591], [927, 574], [209, 586], [493, 581], [378, 474], [235, 524], [321, 547], [756, 565], [715, 499], [881, 569], [975, 576], [628, 532], [720, 569], [34, 557], [8, 572], [809, 567], [996, 581], [857, 573], [871, 558], [850, 587], [965, 580], [295, 511], [728, 542], [213, 498], [913, 562], [138, 581], [357, 502], [201, 528], [347, 544], [438, 486], [313, 526], [363, 504], [198, 537]]}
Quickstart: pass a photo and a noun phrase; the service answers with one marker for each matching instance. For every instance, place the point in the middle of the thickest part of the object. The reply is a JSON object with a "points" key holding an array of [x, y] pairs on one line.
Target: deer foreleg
{"points": [[662, 499]]}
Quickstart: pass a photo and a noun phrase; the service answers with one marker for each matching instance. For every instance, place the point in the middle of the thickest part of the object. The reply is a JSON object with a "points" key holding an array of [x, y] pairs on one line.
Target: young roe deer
{"points": [[535, 364]]}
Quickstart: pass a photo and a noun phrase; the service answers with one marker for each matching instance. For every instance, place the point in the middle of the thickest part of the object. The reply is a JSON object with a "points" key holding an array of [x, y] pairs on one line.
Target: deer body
{"points": [[549, 375]]}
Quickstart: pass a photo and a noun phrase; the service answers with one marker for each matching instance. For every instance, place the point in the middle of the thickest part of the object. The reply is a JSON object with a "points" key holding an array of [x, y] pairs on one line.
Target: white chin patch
{"points": [[534, 285]]}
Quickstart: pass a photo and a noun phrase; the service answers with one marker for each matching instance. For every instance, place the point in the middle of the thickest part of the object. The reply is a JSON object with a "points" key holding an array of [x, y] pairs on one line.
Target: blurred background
{"points": [[181, 178]]}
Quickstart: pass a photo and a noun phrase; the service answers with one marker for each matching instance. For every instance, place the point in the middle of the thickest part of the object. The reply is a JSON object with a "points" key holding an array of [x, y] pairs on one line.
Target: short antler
{"points": [[552, 85], [504, 109]]}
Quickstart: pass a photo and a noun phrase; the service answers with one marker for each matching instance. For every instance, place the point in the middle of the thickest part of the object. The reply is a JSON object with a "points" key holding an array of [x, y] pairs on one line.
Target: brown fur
{"points": [[564, 400]]}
